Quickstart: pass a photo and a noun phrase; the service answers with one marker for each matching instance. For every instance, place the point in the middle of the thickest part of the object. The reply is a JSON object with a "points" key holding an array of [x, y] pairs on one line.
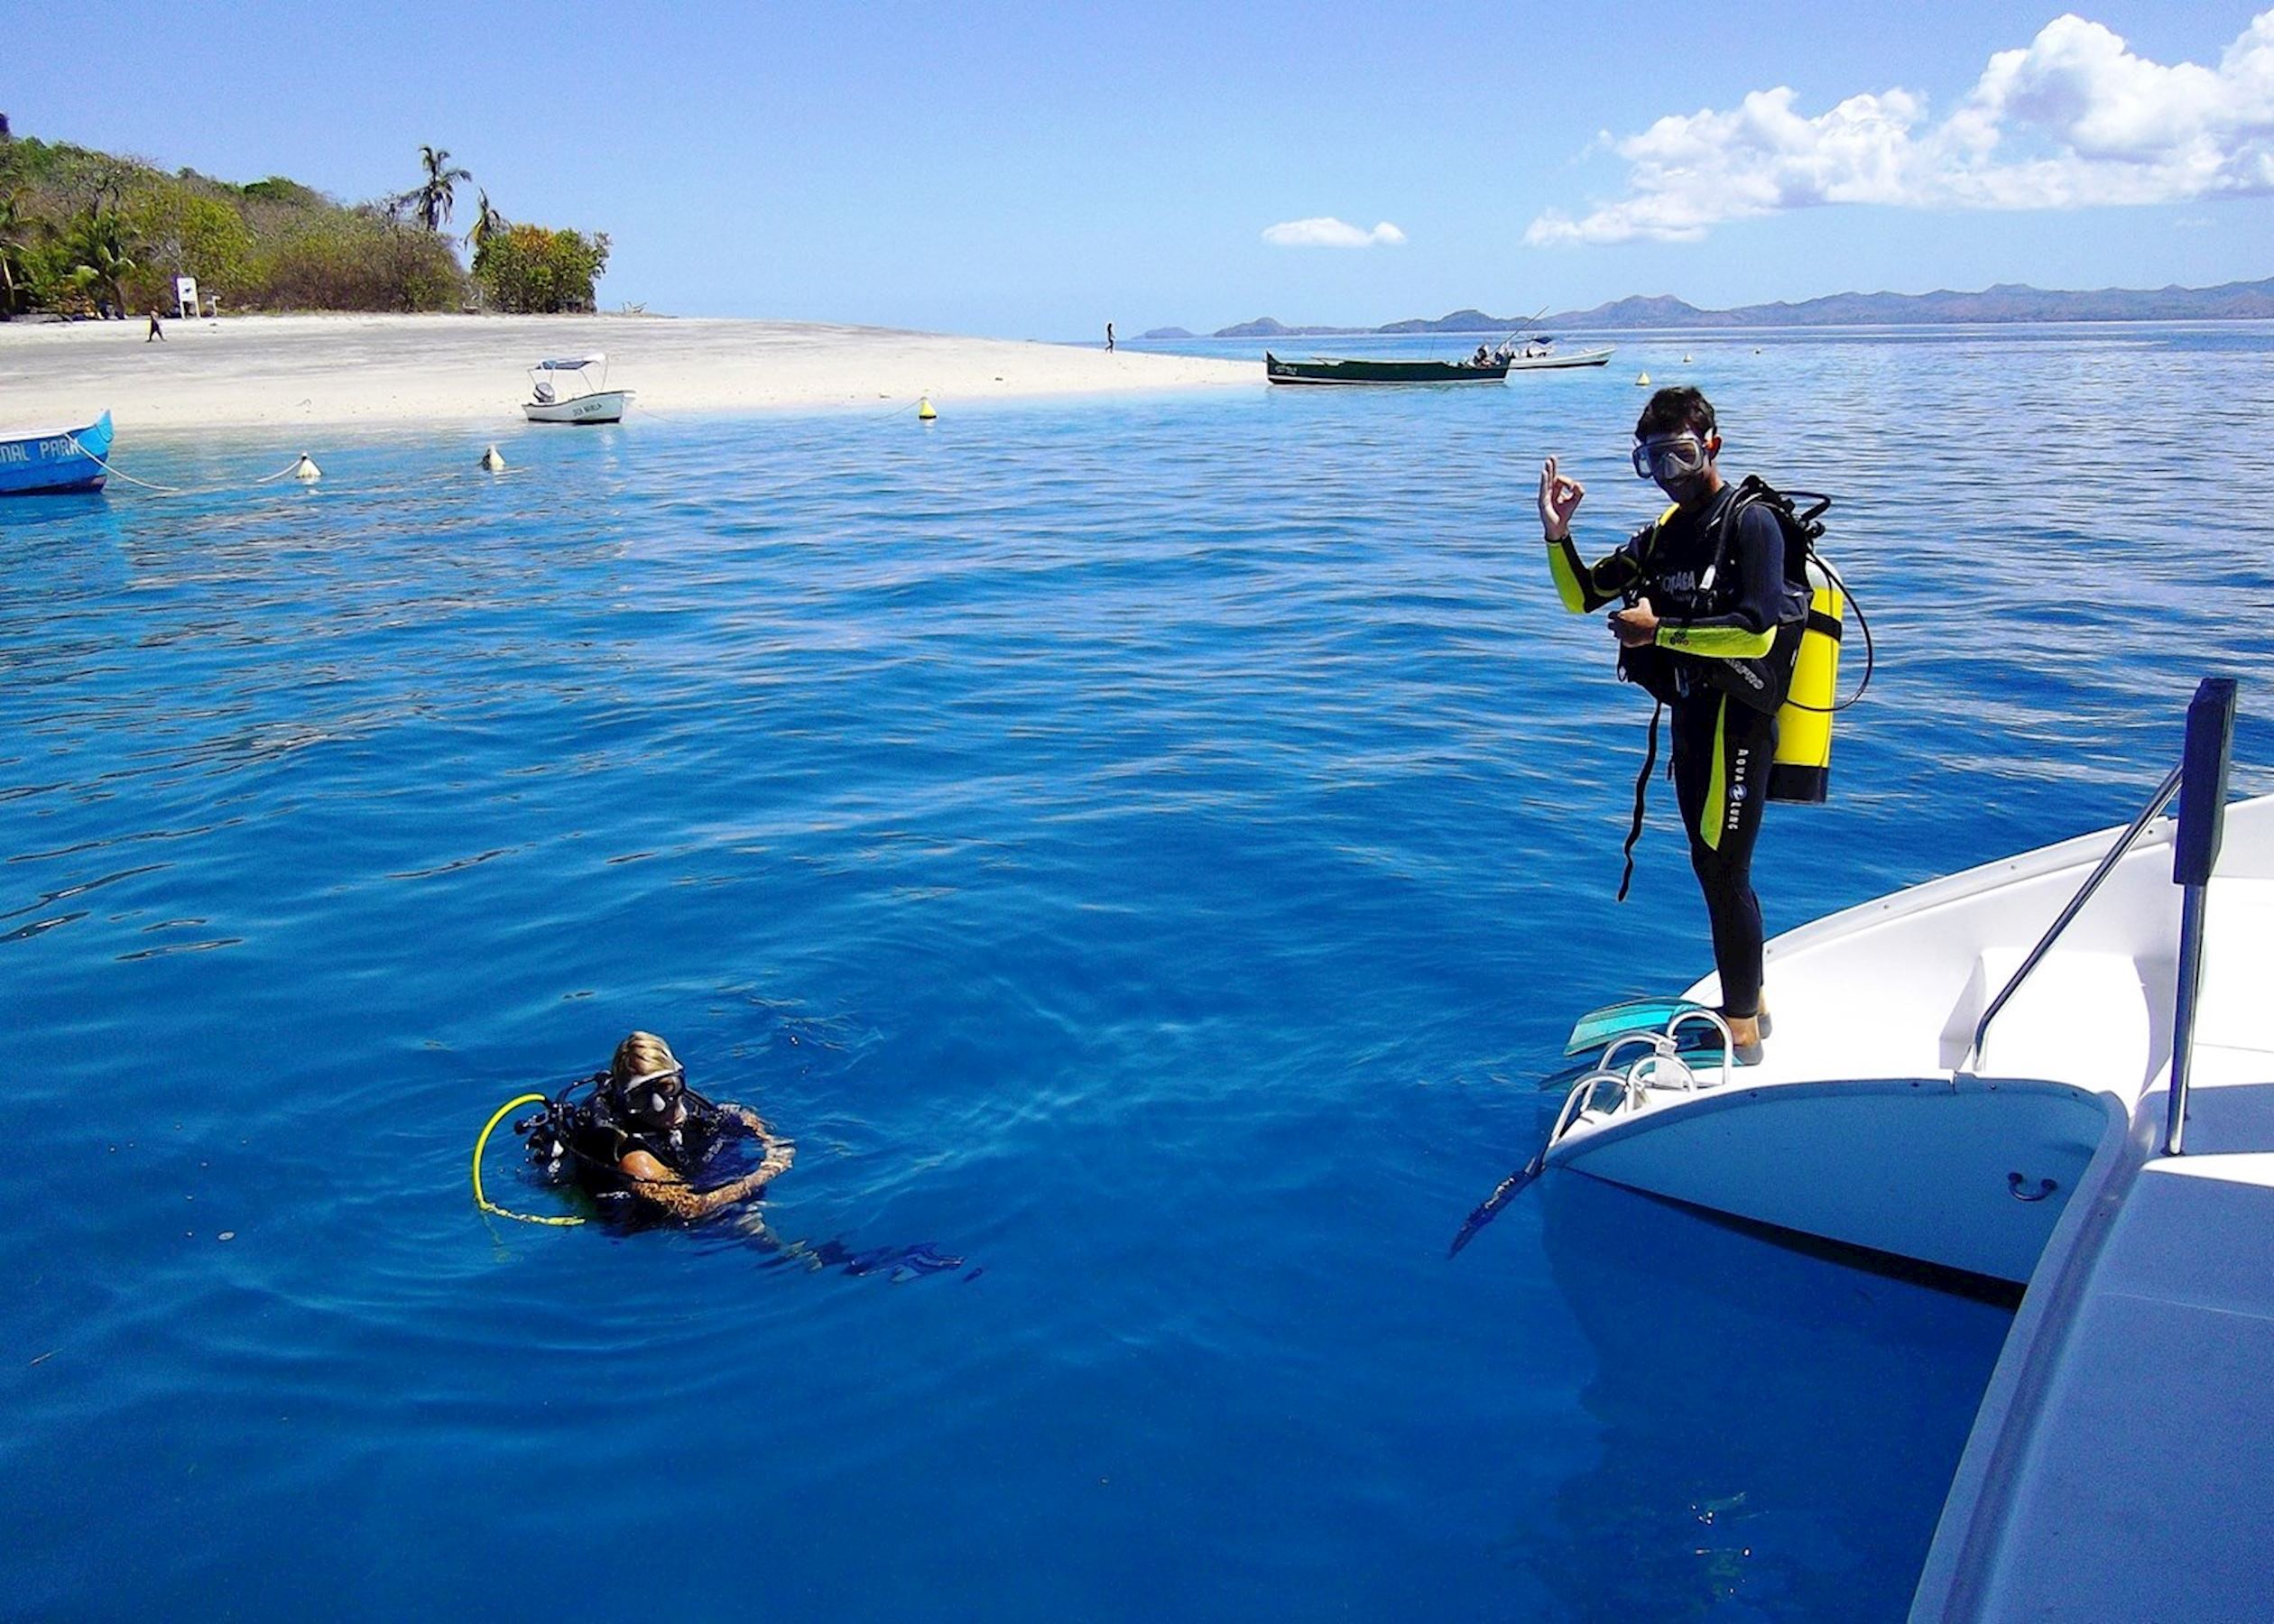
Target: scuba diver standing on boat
{"points": [[1710, 627], [642, 1139]]}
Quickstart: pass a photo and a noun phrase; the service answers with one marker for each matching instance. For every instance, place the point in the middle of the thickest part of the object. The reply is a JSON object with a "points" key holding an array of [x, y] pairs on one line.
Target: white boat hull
{"points": [[1594, 358], [603, 406], [1966, 1175]]}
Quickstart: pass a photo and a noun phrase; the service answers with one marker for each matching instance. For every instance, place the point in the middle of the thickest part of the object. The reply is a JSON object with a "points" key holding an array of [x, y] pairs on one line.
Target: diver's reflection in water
{"points": [[896, 1263], [1777, 1430]]}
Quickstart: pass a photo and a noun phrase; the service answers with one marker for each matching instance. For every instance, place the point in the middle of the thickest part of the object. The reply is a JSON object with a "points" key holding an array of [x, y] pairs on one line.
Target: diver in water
{"points": [[1710, 626], [644, 1139]]}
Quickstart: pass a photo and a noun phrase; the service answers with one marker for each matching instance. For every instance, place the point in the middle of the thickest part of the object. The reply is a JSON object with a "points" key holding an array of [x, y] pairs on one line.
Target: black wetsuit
{"points": [[1730, 625], [597, 1139]]}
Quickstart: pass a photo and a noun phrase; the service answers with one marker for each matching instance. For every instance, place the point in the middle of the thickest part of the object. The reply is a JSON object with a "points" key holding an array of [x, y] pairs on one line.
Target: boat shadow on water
{"points": [[1778, 1427]]}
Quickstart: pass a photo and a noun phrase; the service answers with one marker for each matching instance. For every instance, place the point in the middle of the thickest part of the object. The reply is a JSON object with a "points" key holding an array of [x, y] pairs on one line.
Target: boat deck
{"points": [[2121, 1465]]}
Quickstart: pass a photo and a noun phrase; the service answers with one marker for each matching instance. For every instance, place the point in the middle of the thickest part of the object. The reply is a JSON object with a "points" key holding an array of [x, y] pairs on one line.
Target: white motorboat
{"points": [[1540, 356], [1979, 1074], [573, 391]]}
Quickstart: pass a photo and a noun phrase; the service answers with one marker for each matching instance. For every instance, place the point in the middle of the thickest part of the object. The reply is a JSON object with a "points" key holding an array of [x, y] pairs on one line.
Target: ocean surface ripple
{"points": [[1149, 850]]}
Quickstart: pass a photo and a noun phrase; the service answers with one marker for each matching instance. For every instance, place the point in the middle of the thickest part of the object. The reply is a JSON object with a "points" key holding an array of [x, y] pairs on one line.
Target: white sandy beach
{"points": [[382, 370]]}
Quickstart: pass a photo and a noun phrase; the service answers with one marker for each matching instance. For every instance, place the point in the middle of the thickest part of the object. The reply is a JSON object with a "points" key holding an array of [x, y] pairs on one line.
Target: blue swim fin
{"points": [[1600, 1027]]}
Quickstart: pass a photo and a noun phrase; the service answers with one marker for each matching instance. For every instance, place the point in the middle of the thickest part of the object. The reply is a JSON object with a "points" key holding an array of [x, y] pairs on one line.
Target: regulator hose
{"points": [[482, 1141]]}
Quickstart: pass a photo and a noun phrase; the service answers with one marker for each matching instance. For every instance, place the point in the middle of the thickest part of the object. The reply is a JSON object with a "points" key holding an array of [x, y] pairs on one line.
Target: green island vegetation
{"points": [[85, 234]]}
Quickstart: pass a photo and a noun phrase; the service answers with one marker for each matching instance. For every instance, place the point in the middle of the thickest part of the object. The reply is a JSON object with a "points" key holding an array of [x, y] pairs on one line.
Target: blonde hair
{"points": [[640, 1055]]}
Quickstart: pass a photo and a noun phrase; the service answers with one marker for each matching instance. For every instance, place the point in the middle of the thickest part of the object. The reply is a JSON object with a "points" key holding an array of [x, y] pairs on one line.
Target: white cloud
{"points": [[2072, 120], [1327, 232]]}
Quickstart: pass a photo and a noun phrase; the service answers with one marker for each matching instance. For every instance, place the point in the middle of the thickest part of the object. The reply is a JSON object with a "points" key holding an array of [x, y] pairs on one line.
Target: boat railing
{"points": [[2124, 843], [2201, 775]]}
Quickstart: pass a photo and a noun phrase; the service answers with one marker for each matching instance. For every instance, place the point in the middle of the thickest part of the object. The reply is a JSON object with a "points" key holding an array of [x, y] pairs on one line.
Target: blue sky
{"points": [[1032, 170]]}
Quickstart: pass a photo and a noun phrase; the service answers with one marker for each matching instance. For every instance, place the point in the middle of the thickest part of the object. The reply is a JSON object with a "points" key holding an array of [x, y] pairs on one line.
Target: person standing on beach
{"points": [[157, 331], [1705, 593], [1109, 338]]}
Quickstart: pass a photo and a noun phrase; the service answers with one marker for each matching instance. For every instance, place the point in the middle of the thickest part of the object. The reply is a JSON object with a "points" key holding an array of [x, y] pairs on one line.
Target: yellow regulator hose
{"points": [[483, 1202]]}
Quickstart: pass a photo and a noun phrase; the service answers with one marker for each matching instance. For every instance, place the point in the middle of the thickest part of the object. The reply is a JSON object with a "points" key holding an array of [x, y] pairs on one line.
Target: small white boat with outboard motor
{"points": [[1540, 355], [573, 390], [2055, 1071]]}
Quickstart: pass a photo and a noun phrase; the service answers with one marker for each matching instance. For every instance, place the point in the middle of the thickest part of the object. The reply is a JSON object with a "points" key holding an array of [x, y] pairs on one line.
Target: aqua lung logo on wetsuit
{"points": [[1740, 767]]}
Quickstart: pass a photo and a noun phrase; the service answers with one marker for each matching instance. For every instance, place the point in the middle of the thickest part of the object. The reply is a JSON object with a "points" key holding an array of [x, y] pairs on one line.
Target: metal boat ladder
{"points": [[1660, 1066]]}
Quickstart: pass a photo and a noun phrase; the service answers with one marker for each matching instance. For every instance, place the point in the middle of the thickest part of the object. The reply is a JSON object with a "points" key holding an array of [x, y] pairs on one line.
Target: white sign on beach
{"points": [[186, 296]]}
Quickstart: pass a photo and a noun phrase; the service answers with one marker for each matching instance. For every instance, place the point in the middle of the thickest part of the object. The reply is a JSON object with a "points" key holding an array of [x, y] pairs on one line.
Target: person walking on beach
{"points": [[1109, 338], [1709, 612], [157, 331]]}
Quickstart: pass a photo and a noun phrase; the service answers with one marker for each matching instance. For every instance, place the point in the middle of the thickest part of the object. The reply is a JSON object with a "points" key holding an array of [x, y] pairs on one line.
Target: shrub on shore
{"points": [[531, 270], [82, 230], [358, 259]]}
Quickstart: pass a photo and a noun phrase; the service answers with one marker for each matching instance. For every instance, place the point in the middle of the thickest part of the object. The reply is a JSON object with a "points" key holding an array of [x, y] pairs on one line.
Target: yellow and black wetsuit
{"points": [[1730, 622]]}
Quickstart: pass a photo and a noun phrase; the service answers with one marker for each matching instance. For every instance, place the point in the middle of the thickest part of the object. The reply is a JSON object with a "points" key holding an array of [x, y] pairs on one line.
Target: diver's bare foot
{"points": [[1745, 1037]]}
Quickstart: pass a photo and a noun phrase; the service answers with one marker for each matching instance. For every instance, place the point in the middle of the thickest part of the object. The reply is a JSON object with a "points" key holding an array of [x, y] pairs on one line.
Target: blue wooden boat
{"points": [[42, 462]]}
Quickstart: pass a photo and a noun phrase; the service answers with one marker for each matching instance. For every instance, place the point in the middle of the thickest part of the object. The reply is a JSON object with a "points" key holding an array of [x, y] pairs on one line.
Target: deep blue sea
{"points": [[1149, 849]]}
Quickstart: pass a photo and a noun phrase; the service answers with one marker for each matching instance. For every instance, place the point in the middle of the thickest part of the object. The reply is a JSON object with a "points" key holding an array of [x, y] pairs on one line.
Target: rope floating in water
{"points": [[294, 468]]}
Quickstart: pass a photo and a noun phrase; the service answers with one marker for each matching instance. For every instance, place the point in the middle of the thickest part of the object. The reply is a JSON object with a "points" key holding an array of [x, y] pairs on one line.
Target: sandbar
{"points": [[245, 370]]}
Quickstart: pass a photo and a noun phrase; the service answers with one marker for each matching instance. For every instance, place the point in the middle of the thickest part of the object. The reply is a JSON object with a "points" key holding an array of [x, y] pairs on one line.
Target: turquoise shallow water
{"points": [[1149, 849]]}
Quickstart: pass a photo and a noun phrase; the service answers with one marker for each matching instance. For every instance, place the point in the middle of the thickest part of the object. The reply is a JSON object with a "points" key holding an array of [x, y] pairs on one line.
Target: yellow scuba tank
{"points": [[1801, 770]]}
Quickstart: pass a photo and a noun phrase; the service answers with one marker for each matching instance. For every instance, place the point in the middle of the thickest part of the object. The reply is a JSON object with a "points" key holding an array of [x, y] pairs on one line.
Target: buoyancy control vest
{"points": [[583, 1141], [1795, 680]]}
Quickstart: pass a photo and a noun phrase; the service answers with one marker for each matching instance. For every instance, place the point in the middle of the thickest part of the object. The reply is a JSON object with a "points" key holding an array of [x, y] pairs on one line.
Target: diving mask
{"points": [[653, 1098], [1670, 456]]}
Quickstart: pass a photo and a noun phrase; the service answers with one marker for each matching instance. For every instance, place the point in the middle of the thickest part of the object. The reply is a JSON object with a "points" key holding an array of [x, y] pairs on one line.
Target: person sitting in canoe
{"points": [[1483, 356], [643, 1141]]}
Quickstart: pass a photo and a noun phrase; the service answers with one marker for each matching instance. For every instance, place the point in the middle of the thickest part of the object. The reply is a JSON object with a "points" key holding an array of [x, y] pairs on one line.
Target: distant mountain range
{"points": [[2006, 301]]}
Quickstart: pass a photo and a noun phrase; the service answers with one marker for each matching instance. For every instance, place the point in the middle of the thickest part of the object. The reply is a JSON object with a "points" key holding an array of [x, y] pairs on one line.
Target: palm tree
{"points": [[11, 248], [487, 223], [101, 248], [432, 202]]}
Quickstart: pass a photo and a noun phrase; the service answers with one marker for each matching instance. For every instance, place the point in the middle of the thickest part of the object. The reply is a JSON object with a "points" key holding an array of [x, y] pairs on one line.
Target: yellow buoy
{"points": [[1642, 380], [924, 412], [306, 471], [492, 463]]}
